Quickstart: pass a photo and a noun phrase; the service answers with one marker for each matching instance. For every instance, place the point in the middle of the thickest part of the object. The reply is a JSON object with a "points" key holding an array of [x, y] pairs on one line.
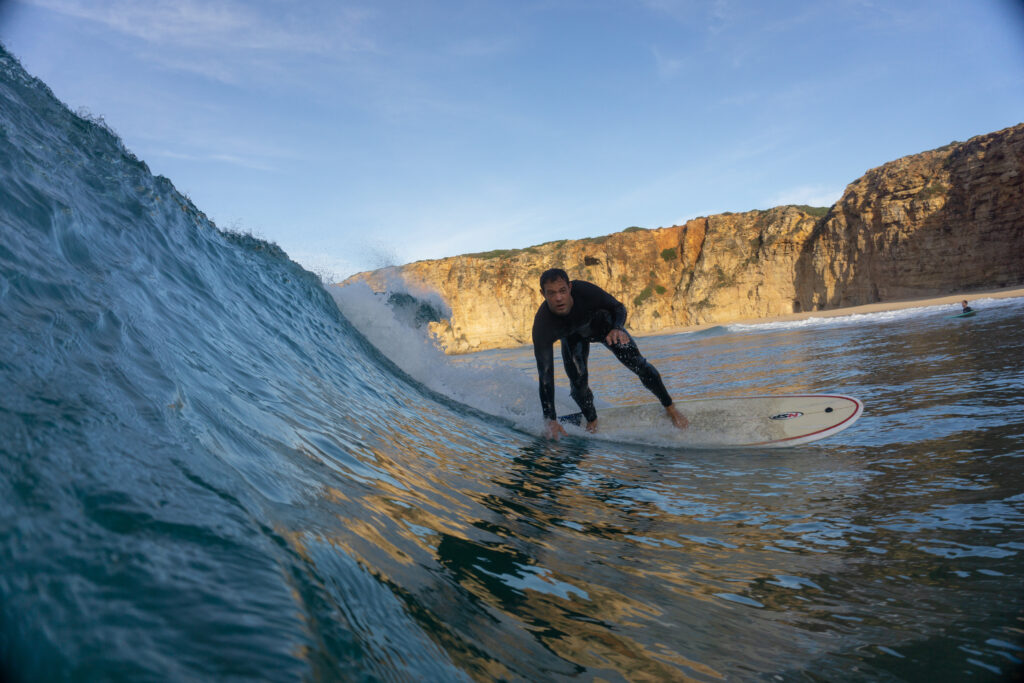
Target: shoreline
{"points": [[881, 306]]}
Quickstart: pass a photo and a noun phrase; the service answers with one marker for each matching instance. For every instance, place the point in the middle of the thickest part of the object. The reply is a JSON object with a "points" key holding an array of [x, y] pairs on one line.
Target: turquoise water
{"points": [[211, 468]]}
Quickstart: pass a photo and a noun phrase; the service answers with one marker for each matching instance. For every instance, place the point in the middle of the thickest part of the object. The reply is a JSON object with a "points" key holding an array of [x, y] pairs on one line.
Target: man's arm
{"points": [[546, 380], [545, 357], [598, 298], [618, 312], [543, 353], [617, 335]]}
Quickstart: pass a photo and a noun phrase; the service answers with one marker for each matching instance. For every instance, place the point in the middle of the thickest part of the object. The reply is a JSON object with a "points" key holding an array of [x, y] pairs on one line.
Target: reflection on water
{"points": [[411, 541], [892, 551]]}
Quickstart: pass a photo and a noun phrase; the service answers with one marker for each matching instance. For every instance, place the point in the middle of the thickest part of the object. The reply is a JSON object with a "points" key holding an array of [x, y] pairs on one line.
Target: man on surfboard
{"points": [[578, 313]]}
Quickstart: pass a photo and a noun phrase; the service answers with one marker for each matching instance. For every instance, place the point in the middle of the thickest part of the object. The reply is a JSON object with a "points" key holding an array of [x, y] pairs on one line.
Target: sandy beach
{"points": [[952, 300]]}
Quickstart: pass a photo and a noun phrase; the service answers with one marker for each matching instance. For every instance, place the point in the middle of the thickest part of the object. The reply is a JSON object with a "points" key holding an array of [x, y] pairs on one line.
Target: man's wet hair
{"points": [[551, 275]]}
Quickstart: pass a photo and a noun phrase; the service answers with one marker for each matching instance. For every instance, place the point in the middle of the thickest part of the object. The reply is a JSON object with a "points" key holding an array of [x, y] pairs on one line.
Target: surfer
{"points": [[578, 313], [967, 309]]}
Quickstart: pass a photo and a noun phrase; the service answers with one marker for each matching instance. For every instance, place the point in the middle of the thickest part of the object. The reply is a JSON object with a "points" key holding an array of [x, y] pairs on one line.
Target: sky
{"points": [[362, 134]]}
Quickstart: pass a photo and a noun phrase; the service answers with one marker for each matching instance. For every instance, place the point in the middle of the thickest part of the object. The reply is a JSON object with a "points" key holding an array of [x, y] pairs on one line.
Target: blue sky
{"points": [[356, 134]]}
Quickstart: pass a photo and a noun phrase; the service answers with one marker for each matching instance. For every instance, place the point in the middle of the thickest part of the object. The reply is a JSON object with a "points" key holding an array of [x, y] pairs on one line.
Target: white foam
{"points": [[877, 317], [506, 392]]}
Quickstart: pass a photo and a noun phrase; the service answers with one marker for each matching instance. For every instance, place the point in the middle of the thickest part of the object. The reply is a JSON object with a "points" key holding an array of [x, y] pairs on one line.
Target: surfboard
{"points": [[748, 421], [968, 314]]}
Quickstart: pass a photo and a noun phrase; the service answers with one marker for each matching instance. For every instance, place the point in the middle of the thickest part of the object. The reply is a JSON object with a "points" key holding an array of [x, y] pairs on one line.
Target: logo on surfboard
{"points": [[787, 416]]}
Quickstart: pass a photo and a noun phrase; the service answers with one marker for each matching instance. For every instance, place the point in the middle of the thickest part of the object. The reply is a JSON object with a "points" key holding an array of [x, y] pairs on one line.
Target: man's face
{"points": [[558, 294]]}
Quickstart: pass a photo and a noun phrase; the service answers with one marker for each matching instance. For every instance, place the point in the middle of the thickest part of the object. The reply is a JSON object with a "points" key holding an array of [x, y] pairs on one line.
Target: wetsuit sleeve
{"points": [[603, 299], [618, 314], [543, 351]]}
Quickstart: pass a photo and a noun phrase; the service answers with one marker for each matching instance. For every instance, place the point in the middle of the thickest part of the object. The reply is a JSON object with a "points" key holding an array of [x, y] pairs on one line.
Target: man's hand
{"points": [[554, 429], [616, 337], [678, 419], [592, 426]]}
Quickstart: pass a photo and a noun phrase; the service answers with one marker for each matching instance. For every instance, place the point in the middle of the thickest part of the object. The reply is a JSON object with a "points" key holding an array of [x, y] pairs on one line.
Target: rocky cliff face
{"points": [[933, 223], [947, 220]]}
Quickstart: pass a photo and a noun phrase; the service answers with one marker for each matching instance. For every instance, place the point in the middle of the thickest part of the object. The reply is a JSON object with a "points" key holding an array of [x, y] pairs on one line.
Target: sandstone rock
{"points": [[939, 222]]}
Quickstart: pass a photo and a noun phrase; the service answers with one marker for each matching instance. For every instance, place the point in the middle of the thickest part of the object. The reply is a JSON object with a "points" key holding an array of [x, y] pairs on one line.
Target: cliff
{"points": [[939, 222], [947, 220]]}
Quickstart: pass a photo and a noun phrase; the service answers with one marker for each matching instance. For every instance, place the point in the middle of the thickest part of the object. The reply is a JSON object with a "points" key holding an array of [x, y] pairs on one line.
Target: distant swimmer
{"points": [[967, 309], [578, 313]]}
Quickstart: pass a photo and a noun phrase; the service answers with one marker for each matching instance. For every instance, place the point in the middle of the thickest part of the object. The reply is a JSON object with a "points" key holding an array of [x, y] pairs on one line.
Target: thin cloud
{"points": [[219, 70], [220, 25], [229, 42], [234, 160], [713, 18], [667, 67], [206, 146], [229, 159], [482, 47]]}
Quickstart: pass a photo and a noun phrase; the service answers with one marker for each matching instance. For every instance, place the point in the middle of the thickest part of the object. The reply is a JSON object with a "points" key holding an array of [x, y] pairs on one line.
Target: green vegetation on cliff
{"points": [[816, 211]]}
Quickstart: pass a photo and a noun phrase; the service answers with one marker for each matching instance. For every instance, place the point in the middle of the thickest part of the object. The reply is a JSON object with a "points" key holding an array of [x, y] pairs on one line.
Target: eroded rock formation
{"points": [[939, 222]]}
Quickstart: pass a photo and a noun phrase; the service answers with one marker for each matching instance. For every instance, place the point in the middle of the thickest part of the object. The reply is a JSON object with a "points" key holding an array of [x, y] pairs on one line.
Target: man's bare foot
{"points": [[678, 419], [592, 427]]}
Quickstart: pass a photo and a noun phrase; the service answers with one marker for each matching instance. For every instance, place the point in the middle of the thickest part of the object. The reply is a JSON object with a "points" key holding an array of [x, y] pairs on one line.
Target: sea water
{"points": [[212, 469]]}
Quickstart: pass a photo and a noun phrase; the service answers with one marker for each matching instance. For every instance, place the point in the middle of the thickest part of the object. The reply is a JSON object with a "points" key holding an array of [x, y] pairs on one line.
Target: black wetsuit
{"points": [[594, 314]]}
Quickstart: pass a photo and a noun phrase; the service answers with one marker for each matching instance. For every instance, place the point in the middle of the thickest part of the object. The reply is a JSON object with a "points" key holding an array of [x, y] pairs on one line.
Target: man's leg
{"points": [[629, 355], [575, 352]]}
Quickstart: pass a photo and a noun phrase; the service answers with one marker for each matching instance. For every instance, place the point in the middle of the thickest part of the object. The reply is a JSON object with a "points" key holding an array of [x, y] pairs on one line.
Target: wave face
{"points": [[189, 427], [209, 472]]}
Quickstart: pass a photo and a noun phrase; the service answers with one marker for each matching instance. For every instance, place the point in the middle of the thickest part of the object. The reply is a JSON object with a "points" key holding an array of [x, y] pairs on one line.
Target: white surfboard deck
{"points": [[763, 421]]}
